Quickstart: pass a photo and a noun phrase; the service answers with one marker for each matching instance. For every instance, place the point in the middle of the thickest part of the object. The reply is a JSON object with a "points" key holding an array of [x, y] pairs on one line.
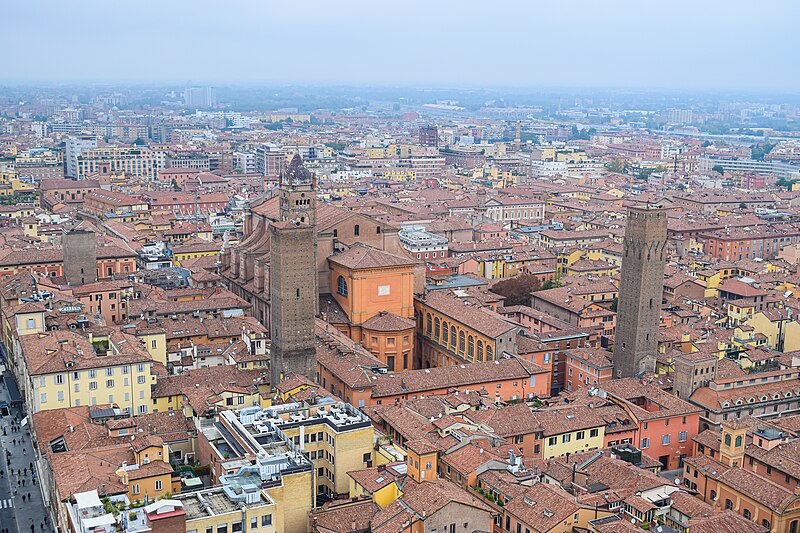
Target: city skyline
{"points": [[735, 46]]}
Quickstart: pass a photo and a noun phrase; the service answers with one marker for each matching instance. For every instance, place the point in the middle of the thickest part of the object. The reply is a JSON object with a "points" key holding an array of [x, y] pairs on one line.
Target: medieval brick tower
{"points": [[80, 256], [640, 291], [293, 286]]}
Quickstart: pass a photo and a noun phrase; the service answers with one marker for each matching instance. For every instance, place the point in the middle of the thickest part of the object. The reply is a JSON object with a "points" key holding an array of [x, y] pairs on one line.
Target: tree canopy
{"points": [[517, 290]]}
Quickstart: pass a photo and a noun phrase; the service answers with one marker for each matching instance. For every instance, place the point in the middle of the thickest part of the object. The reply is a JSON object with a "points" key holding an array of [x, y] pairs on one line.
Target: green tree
{"points": [[718, 168], [550, 284], [517, 290], [617, 166], [759, 151]]}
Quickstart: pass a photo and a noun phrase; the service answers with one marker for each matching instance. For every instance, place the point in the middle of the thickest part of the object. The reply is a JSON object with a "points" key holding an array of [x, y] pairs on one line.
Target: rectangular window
{"points": [[645, 443], [59, 378], [43, 398], [566, 438], [683, 436], [594, 432], [140, 380], [266, 520], [135, 489], [666, 439], [552, 441], [159, 485], [384, 290], [109, 383], [92, 385], [579, 435]]}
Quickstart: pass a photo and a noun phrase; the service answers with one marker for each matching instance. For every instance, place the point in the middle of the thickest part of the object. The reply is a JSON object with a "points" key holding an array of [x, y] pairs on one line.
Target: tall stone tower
{"points": [[640, 291], [293, 286], [80, 256]]}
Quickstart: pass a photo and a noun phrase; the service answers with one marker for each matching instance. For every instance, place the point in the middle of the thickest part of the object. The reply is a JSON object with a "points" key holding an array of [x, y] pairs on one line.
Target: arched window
{"points": [[728, 504], [793, 526], [471, 347], [489, 354], [341, 286], [428, 324], [727, 439], [445, 332], [461, 339], [765, 523], [453, 337], [480, 350], [748, 514], [738, 440], [713, 494], [436, 328]]}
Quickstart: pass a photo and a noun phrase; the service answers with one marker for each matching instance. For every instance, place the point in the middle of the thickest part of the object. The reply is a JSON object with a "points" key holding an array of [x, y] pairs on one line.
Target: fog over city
{"points": [[399, 267], [720, 45]]}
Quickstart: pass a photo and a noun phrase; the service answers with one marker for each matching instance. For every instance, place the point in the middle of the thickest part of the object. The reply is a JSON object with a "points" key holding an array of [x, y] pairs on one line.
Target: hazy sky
{"points": [[697, 44]]}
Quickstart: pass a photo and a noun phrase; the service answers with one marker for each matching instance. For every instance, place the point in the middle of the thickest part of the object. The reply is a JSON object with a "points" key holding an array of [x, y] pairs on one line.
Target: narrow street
{"points": [[17, 478]]}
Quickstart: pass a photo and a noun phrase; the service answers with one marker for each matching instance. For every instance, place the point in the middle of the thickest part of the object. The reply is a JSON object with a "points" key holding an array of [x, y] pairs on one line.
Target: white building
{"points": [[74, 147], [422, 244]]}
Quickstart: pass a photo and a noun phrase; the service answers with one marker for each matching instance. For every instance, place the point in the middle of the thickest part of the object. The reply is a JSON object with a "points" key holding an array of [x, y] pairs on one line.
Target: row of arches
{"points": [[457, 340]]}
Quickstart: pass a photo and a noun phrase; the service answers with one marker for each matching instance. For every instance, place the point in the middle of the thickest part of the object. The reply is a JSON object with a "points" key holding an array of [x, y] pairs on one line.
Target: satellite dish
{"points": [[677, 481]]}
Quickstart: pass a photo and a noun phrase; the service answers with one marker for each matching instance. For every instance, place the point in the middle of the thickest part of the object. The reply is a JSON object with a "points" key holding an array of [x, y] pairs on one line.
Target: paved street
{"points": [[16, 514]]}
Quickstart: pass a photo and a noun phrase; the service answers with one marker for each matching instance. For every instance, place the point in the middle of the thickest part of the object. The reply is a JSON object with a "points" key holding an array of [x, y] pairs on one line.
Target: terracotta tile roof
{"points": [[423, 499], [386, 321], [750, 484], [716, 399], [68, 350], [80, 471], [202, 386], [481, 320], [725, 521], [453, 376], [336, 517], [543, 507], [508, 421], [376, 477], [469, 458], [360, 256], [594, 357], [631, 389]]}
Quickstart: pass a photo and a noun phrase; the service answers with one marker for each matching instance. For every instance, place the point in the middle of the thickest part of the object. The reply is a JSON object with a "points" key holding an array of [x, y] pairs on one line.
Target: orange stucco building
{"points": [[375, 292]]}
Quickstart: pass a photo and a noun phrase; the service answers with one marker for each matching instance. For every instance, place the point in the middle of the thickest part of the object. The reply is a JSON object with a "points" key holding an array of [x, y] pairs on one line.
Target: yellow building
{"points": [[337, 437], [210, 389], [193, 250], [771, 324], [67, 369], [567, 431], [257, 512]]}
